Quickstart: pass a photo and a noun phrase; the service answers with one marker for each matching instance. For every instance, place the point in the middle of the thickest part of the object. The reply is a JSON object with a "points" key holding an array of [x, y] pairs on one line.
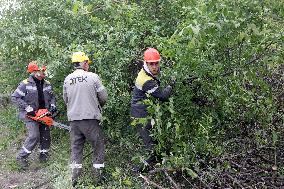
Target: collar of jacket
{"points": [[37, 81], [79, 70], [31, 80], [146, 69]]}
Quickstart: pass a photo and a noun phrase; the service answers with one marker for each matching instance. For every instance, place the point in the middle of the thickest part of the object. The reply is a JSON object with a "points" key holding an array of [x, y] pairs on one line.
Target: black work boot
{"points": [[22, 162], [76, 172], [43, 157]]}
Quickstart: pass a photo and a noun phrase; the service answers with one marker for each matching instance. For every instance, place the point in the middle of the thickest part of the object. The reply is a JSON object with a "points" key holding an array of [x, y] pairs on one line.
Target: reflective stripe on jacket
{"points": [[26, 94], [146, 84], [84, 95]]}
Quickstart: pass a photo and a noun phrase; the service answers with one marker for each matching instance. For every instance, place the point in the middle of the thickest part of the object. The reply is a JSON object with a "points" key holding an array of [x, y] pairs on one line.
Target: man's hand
{"points": [[30, 111]]}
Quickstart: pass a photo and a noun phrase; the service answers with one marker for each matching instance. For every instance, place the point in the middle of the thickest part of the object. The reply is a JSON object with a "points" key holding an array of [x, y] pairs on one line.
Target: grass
{"points": [[10, 128]]}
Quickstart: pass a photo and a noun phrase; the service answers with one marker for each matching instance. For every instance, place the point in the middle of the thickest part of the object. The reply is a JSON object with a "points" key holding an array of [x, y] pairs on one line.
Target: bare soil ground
{"points": [[12, 177]]}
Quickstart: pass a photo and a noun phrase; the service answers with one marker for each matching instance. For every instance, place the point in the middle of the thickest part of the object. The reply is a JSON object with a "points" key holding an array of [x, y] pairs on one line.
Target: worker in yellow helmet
{"points": [[84, 96]]}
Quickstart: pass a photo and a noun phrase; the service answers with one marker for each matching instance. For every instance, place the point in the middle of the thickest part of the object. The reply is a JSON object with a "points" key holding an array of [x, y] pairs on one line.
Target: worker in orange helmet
{"points": [[147, 83], [32, 94]]}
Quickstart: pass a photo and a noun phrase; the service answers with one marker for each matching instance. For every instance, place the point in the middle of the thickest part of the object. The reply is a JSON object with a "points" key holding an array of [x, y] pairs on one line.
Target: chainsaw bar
{"points": [[61, 125]]}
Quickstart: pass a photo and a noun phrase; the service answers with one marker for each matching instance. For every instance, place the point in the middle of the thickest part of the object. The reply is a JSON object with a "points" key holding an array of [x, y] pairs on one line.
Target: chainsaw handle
{"points": [[45, 114]]}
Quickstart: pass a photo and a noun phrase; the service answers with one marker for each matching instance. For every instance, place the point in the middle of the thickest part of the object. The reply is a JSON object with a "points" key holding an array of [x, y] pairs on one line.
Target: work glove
{"points": [[30, 111], [52, 109]]}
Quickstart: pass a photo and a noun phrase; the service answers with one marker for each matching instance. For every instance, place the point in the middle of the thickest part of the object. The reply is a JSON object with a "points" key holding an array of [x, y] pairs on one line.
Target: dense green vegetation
{"points": [[227, 57]]}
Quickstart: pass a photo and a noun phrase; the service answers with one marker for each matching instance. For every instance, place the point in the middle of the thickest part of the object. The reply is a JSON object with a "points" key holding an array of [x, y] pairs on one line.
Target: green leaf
{"points": [[127, 182], [195, 29], [274, 137], [191, 173], [76, 7]]}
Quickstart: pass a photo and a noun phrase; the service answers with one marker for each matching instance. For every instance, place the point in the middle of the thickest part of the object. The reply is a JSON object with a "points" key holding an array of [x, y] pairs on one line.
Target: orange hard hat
{"points": [[32, 66], [152, 55]]}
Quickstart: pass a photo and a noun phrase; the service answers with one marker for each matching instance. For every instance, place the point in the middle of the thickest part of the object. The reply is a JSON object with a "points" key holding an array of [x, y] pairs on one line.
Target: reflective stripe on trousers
{"points": [[98, 166], [36, 133]]}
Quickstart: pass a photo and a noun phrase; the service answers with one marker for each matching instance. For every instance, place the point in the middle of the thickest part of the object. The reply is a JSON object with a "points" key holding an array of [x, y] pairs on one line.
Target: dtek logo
{"points": [[78, 80]]}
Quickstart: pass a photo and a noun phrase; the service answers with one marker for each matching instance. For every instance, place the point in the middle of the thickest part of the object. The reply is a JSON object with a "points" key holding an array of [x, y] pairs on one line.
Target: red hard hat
{"points": [[34, 67], [152, 55]]}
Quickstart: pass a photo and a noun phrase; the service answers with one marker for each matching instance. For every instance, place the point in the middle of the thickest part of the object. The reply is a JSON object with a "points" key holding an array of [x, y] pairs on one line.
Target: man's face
{"points": [[154, 67], [86, 66], [40, 75]]}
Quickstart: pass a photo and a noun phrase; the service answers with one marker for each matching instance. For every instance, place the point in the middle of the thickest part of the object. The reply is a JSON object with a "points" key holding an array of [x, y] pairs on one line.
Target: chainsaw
{"points": [[45, 117]]}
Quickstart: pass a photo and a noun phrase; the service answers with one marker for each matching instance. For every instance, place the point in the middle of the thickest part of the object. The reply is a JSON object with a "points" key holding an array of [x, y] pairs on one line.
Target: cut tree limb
{"points": [[171, 180], [147, 180]]}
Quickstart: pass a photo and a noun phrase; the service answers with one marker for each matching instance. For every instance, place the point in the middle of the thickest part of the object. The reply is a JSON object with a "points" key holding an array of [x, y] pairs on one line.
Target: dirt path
{"points": [[12, 177]]}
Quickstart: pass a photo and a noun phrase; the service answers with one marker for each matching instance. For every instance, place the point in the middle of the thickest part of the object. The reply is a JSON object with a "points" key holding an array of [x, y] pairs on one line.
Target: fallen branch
{"points": [[237, 165], [264, 159], [150, 182], [187, 181], [204, 184], [171, 179], [235, 180], [156, 170]]}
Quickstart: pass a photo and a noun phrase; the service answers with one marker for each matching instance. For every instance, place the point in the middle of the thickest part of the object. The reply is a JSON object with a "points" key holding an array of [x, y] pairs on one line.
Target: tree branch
{"points": [[171, 180], [235, 180], [156, 170], [150, 182]]}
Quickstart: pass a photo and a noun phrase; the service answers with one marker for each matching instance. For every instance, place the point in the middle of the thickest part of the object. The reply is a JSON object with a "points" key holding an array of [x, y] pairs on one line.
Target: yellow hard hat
{"points": [[80, 57]]}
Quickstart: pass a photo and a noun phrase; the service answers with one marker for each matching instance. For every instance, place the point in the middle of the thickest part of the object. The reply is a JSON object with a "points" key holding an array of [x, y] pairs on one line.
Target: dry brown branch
{"points": [[150, 182], [187, 180], [237, 165], [264, 159], [235, 180], [171, 179], [204, 184], [156, 170]]}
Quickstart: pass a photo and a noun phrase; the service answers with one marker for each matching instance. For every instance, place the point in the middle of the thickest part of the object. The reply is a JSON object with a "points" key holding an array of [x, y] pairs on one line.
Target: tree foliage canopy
{"points": [[227, 57]]}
